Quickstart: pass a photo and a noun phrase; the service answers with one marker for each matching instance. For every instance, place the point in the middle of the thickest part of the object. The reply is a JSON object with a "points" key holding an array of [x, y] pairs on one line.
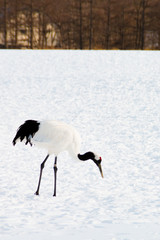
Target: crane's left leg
{"points": [[40, 176], [55, 176]]}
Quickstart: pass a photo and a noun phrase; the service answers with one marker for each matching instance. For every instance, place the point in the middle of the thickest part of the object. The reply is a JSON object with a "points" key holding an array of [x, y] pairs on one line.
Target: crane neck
{"points": [[86, 156]]}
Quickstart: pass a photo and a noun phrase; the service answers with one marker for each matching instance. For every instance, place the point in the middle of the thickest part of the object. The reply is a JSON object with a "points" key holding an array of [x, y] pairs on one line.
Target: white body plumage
{"points": [[57, 137]]}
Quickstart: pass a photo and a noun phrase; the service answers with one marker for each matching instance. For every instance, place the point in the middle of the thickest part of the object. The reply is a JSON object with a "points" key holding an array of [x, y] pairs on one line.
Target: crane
{"points": [[55, 137]]}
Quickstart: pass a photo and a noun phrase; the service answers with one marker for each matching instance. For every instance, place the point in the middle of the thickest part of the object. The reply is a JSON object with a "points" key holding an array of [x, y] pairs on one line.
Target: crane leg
{"points": [[55, 176], [40, 176]]}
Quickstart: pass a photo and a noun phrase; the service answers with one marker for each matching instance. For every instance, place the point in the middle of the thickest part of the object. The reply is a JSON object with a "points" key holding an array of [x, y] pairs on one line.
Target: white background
{"points": [[113, 99]]}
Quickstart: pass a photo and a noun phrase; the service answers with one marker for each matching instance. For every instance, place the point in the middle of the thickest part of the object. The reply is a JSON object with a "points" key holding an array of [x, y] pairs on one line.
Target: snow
{"points": [[113, 99]]}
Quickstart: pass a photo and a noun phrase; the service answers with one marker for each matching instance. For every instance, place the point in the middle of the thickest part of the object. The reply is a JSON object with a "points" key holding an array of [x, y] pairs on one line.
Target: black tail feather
{"points": [[26, 130]]}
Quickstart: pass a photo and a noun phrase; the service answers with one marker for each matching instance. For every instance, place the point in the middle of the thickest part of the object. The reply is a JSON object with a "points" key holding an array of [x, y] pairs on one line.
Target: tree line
{"points": [[81, 24]]}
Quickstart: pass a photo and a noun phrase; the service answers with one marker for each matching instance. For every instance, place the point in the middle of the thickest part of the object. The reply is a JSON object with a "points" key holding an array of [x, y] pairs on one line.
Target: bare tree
{"points": [[16, 22], [90, 27], [140, 8], [108, 23], [80, 25], [5, 24], [144, 4]]}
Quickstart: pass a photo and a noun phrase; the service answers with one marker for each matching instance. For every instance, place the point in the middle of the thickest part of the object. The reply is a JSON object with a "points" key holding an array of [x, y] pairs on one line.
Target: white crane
{"points": [[56, 137]]}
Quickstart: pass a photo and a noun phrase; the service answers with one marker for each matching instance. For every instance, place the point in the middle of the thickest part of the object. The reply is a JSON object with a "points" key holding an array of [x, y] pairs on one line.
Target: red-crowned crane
{"points": [[56, 137]]}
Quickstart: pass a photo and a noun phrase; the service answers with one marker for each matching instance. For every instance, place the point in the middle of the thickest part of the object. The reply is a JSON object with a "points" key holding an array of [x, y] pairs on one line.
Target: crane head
{"points": [[97, 160]]}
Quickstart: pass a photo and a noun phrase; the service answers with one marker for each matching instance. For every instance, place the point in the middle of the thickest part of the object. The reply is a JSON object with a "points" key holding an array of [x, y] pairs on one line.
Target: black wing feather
{"points": [[26, 130]]}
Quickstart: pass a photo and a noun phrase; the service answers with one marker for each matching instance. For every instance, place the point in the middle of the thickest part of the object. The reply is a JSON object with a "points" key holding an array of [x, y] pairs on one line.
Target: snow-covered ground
{"points": [[113, 99]]}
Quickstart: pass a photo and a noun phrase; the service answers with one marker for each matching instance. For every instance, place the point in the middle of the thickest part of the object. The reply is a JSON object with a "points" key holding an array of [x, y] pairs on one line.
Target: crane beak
{"points": [[98, 163], [100, 169]]}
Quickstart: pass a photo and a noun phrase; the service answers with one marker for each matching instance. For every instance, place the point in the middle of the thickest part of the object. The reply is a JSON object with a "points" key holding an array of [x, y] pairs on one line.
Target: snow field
{"points": [[112, 98]]}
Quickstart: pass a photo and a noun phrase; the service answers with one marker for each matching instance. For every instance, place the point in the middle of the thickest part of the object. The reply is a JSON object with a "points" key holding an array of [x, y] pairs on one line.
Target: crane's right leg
{"points": [[40, 176], [55, 176]]}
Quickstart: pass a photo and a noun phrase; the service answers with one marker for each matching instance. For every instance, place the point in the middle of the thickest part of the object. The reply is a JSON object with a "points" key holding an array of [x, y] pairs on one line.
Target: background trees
{"points": [[80, 24]]}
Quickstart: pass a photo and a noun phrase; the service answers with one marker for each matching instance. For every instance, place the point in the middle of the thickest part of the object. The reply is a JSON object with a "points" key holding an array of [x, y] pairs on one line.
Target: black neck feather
{"points": [[86, 156]]}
